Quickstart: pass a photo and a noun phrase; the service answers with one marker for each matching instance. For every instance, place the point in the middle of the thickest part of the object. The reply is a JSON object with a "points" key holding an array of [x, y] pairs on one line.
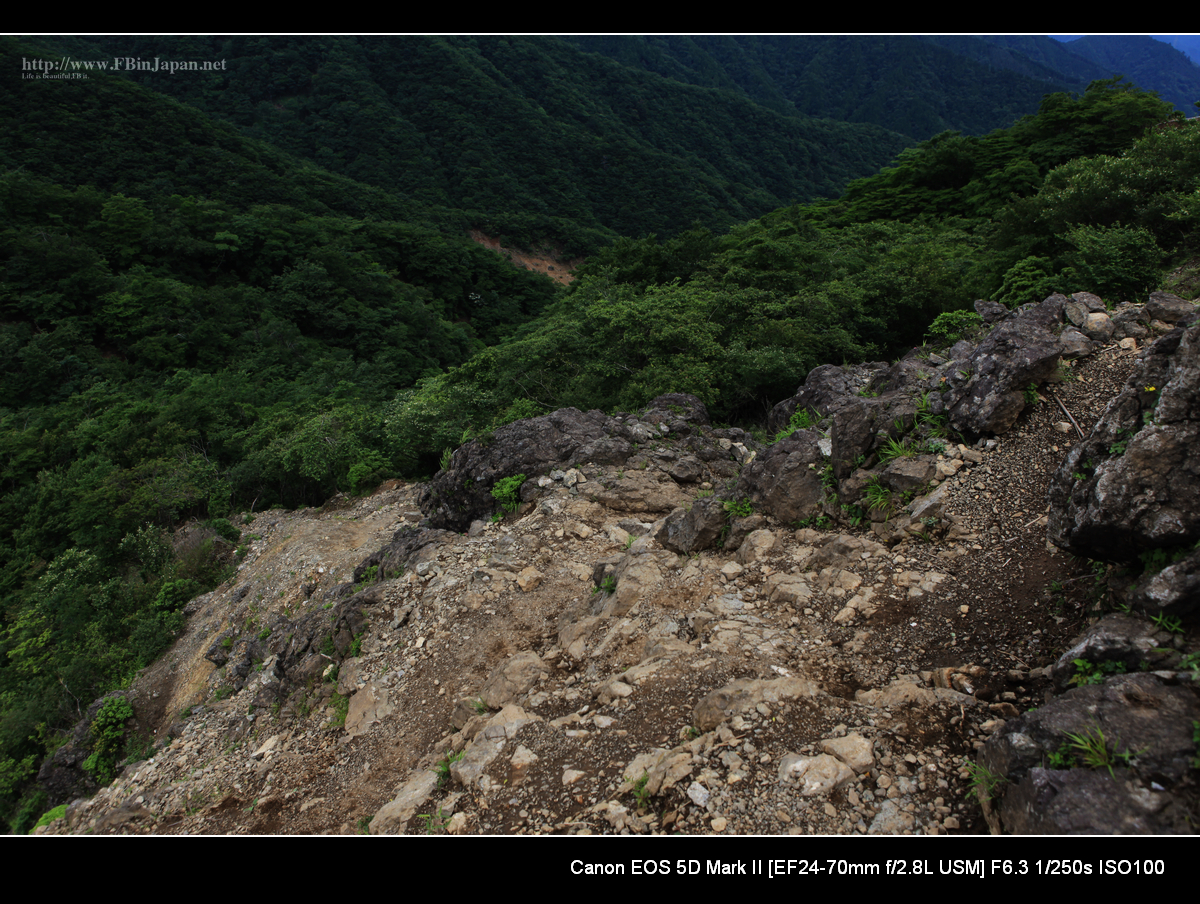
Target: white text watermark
{"points": [[69, 68]]}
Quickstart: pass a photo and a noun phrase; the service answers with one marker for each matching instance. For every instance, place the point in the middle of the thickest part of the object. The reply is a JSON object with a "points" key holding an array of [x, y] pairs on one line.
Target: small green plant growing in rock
{"points": [[879, 497], [895, 448], [368, 577], [1093, 750], [443, 767], [341, 708], [479, 706], [1170, 623], [802, 419], [630, 540], [1031, 394], [641, 793], [1087, 672], [983, 781], [608, 585], [1062, 758], [447, 455], [739, 508], [1191, 663], [434, 825]]}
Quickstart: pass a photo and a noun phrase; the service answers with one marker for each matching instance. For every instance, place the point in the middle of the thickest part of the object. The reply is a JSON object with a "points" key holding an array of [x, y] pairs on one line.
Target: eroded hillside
{"points": [[566, 669]]}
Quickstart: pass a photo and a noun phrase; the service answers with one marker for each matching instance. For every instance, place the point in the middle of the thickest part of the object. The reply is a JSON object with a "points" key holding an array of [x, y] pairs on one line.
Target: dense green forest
{"points": [[196, 324], [524, 134]]}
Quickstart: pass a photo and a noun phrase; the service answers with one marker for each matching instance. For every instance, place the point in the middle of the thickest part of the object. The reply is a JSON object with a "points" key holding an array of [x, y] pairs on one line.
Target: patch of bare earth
{"points": [[548, 261]]}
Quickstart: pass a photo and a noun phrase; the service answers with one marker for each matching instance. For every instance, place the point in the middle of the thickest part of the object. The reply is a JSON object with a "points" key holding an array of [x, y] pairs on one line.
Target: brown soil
{"points": [[549, 262]]}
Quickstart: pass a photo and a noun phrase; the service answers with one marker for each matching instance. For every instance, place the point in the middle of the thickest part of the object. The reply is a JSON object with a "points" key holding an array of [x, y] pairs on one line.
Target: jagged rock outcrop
{"points": [[1132, 488], [1020, 351], [1134, 731], [463, 492], [785, 480], [537, 446]]}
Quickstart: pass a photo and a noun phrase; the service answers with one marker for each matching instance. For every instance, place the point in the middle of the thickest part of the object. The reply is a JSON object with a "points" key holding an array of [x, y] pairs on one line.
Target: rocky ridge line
{"points": [[629, 653]]}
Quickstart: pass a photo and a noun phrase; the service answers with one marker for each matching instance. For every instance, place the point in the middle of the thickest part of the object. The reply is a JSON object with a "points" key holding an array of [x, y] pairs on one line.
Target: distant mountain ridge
{"points": [[1153, 65]]}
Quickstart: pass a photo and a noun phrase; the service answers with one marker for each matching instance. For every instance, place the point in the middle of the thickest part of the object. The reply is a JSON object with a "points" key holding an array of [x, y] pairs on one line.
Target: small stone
{"points": [[718, 824], [698, 794]]}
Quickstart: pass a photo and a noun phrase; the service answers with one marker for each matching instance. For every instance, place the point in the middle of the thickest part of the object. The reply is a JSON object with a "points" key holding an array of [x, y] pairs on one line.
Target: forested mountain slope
{"points": [[525, 131]]}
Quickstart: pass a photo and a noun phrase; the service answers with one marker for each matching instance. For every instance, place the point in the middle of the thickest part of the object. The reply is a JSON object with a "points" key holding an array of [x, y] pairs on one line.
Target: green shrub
{"points": [[505, 492], [1087, 672], [951, 326], [108, 733], [1116, 262], [49, 816], [802, 419], [1029, 280], [224, 529]]}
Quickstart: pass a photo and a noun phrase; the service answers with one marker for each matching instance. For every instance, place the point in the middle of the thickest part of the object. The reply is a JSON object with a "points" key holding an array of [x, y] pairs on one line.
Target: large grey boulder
{"points": [[686, 530], [532, 446], [826, 389], [1021, 351], [864, 424], [780, 481]]}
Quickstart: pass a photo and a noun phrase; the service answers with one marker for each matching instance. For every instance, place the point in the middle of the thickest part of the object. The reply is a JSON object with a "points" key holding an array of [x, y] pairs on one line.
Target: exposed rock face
{"points": [[1021, 351], [456, 497], [1146, 728], [780, 481], [826, 389], [693, 529], [1134, 484], [537, 446], [862, 425]]}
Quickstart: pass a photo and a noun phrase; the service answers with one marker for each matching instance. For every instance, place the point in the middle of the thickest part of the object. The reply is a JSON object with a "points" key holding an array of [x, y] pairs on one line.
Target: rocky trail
{"points": [[653, 642]]}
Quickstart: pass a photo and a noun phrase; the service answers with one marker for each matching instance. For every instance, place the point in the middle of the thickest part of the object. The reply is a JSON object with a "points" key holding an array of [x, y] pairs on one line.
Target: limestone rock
{"points": [[369, 706], [512, 678], [746, 693], [854, 750], [815, 774], [392, 817]]}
